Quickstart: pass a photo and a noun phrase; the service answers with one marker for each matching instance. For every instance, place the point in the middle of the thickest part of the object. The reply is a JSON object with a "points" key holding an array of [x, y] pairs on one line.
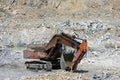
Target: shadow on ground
{"points": [[81, 71]]}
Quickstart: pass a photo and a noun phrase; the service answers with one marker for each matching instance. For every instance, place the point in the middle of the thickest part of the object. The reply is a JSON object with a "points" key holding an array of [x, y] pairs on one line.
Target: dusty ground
{"points": [[94, 68], [96, 65], [24, 22]]}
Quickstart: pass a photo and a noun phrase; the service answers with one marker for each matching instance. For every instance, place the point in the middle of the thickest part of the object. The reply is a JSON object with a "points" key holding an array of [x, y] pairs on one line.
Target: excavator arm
{"points": [[79, 54], [71, 41]]}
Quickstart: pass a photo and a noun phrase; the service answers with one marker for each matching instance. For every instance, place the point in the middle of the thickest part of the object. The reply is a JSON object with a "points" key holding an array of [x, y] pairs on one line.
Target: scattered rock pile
{"points": [[9, 58], [5, 57], [61, 75]]}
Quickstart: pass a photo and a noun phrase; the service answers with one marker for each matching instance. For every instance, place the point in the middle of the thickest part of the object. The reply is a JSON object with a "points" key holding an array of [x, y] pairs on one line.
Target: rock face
{"points": [[99, 34], [87, 9], [33, 19]]}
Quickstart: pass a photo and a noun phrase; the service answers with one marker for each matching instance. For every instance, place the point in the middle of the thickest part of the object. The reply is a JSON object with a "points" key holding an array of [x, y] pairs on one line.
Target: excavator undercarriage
{"points": [[54, 54]]}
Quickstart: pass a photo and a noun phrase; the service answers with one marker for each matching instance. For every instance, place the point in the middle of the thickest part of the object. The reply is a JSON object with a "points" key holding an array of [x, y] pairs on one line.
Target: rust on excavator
{"points": [[54, 54]]}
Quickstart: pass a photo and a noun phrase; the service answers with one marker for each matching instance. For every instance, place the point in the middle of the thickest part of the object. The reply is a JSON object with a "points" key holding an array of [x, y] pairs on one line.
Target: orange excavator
{"points": [[55, 55]]}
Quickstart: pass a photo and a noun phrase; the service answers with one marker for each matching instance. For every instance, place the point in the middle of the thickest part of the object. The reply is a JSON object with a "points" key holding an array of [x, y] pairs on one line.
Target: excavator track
{"points": [[38, 65]]}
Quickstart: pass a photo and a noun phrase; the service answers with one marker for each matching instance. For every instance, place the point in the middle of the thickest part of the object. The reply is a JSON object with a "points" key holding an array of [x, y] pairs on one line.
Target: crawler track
{"points": [[39, 65]]}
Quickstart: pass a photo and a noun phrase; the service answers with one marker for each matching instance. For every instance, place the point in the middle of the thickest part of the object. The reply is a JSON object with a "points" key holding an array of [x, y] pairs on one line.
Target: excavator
{"points": [[54, 55]]}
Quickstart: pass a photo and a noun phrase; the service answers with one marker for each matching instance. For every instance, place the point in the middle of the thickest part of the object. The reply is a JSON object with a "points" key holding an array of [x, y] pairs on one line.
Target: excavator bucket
{"points": [[66, 61]]}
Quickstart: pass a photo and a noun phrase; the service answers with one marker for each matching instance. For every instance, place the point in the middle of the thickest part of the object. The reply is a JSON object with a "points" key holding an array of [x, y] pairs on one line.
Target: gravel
{"points": [[61, 75]]}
